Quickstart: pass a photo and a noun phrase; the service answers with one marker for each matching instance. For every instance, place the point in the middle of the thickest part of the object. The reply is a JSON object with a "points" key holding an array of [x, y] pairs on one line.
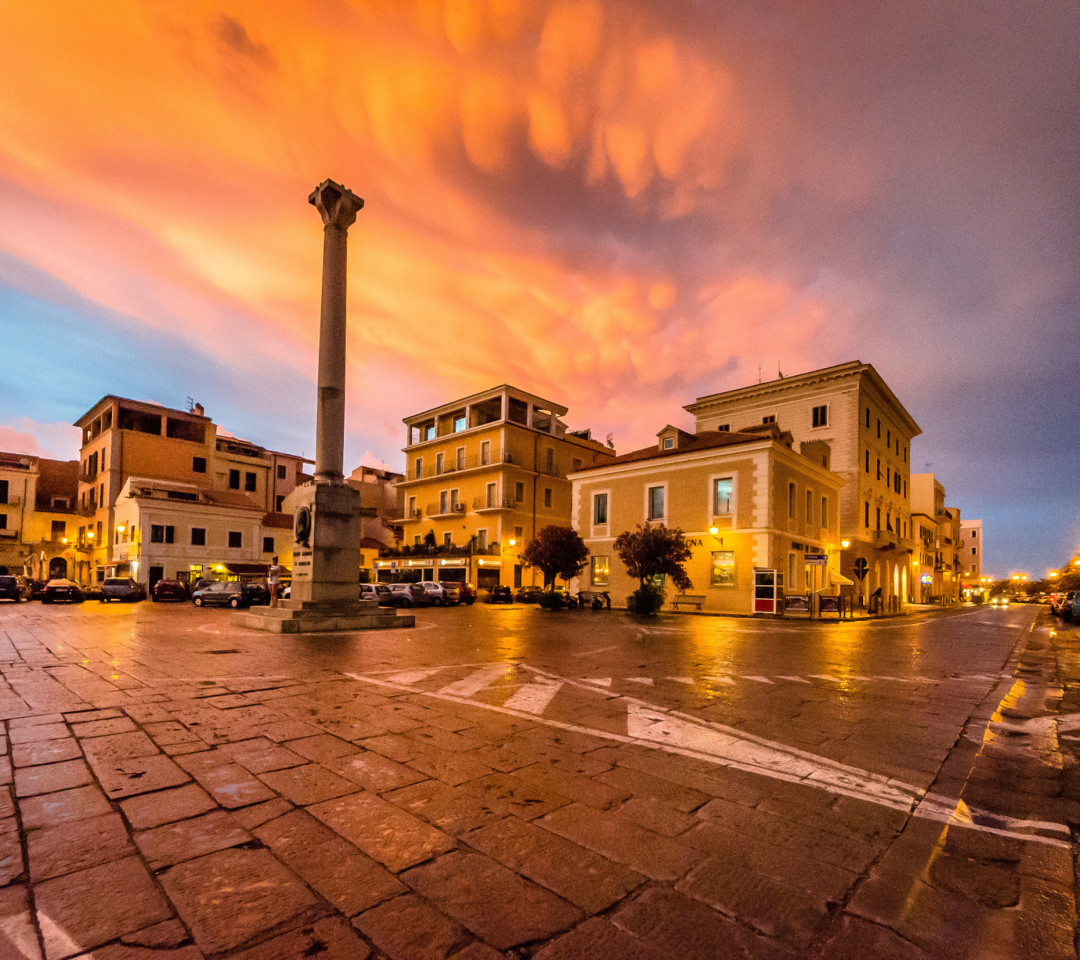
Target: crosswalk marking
{"points": [[648, 681], [824, 676], [686, 680], [781, 676], [747, 676], [475, 682], [725, 680], [605, 682], [414, 676], [533, 697]]}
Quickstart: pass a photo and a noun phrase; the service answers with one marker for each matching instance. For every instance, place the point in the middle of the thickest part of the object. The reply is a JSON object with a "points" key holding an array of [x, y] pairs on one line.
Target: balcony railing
{"points": [[463, 463], [88, 511], [442, 550], [444, 509], [494, 503], [885, 538]]}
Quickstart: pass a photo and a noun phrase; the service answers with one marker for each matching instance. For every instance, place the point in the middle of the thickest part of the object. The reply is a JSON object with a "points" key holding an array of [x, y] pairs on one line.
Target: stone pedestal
{"points": [[297, 616], [326, 563]]}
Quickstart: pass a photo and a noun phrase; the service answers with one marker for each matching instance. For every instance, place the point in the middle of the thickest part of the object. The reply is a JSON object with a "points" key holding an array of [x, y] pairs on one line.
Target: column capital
{"points": [[338, 205]]}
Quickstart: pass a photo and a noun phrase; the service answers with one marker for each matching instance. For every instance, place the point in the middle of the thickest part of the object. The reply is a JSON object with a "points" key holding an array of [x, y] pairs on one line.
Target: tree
{"points": [[651, 551], [556, 552]]}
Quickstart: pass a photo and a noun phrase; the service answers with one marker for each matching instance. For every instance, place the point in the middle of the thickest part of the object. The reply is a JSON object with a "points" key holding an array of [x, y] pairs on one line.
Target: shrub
{"points": [[645, 601], [550, 600]]}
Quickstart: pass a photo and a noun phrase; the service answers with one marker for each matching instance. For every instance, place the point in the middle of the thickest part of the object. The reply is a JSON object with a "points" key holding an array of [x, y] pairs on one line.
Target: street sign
{"points": [[860, 567], [816, 558]]}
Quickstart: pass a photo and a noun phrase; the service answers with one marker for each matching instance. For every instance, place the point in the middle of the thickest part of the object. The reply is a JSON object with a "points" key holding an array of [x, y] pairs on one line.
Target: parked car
{"points": [[453, 590], [121, 588], [62, 590], [1076, 606], [436, 593], [379, 592], [11, 589], [529, 594], [221, 594], [169, 590], [37, 589], [408, 595], [468, 594], [500, 594], [1061, 601], [999, 600], [257, 593]]}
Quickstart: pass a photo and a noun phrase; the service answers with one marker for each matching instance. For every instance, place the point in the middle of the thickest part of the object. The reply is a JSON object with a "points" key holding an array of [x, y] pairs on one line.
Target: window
{"points": [[973, 551], [599, 508], [438, 464], [485, 453], [792, 582], [669, 443], [519, 534], [198, 464], [492, 495], [905, 454], [549, 460], [723, 569], [268, 544], [3, 491], [824, 511], [418, 468], [519, 492], [99, 532], [879, 518], [411, 511], [867, 418], [888, 476], [809, 508], [866, 515], [444, 501], [547, 497], [249, 482], [867, 461], [236, 539], [879, 468], [459, 456], [198, 536], [447, 538], [234, 479], [820, 416], [656, 503], [905, 488], [598, 572], [879, 429], [455, 501], [974, 534], [769, 419], [577, 463], [888, 438], [429, 432], [791, 501], [161, 534], [481, 539], [279, 503], [724, 428], [59, 530], [416, 540], [459, 423], [723, 489], [3, 521], [282, 473]]}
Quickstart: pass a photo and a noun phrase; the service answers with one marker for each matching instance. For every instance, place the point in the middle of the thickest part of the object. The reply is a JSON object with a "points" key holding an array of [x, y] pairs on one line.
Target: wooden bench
{"points": [[696, 599]]}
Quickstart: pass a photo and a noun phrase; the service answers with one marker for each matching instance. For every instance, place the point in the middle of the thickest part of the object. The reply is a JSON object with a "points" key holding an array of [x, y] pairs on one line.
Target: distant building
{"points": [[744, 500], [939, 566], [380, 521], [220, 496], [971, 552], [865, 435], [484, 474], [37, 516]]}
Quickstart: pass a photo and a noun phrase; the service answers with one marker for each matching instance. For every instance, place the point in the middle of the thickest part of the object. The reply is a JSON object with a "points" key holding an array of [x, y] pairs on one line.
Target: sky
{"points": [[619, 205]]}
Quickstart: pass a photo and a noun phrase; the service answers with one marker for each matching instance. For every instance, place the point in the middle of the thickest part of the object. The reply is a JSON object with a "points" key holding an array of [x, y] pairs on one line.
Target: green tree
{"points": [[556, 552], [651, 551]]}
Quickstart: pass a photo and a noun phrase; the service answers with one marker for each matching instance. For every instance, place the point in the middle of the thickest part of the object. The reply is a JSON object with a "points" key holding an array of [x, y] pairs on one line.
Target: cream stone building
{"points": [[971, 553], [124, 439], [380, 514], [37, 516], [939, 570], [484, 474], [746, 501], [850, 410]]}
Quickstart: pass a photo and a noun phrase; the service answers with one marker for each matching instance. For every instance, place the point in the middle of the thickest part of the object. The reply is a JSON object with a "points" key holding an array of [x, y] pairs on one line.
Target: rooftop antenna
{"points": [[190, 404], [779, 373], [759, 373]]}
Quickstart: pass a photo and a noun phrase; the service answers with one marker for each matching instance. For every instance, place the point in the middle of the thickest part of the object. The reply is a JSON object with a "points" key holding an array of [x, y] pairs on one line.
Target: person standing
{"points": [[274, 578]]}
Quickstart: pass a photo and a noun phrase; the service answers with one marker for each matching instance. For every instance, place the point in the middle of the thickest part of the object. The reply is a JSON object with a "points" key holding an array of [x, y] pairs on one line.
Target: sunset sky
{"points": [[620, 205]]}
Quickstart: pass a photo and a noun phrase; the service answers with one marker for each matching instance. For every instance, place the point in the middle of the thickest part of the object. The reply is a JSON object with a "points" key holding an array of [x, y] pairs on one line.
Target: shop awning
{"points": [[841, 579]]}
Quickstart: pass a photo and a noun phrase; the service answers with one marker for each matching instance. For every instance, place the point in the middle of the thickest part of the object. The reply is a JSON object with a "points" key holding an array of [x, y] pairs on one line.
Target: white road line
{"points": [[648, 681], [415, 676], [533, 697], [824, 676], [747, 676], [793, 679], [475, 682], [604, 682], [725, 680]]}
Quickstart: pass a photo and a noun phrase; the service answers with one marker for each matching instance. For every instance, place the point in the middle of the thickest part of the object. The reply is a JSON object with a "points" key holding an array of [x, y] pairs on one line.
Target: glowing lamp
{"points": [[714, 530], [511, 541], [845, 543], [120, 528]]}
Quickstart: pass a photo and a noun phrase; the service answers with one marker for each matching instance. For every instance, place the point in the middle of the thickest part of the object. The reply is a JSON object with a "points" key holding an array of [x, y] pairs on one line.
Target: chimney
{"points": [[199, 410]]}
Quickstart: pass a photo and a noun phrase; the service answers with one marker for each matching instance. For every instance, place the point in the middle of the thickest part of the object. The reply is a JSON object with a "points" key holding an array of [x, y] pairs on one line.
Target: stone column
{"points": [[338, 207]]}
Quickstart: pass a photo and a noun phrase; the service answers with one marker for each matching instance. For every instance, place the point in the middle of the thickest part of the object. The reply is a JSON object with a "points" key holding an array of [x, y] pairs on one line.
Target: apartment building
{"points": [[847, 417], [380, 513], [187, 459], [939, 566], [971, 553], [37, 516], [484, 473], [745, 501]]}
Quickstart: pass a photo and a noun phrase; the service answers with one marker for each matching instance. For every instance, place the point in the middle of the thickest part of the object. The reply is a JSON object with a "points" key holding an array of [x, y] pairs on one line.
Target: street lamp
{"points": [[845, 544]]}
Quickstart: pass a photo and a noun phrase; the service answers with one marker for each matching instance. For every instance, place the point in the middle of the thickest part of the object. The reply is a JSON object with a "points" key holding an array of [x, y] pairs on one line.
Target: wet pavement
{"points": [[518, 783]]}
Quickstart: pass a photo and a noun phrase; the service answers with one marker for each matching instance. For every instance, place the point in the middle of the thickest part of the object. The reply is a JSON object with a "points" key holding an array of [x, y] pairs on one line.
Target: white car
{"points": [[436, 593]]}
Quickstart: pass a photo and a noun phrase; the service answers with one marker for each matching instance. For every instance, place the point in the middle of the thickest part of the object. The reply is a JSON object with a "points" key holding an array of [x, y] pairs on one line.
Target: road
{"points": [[513, 782]]}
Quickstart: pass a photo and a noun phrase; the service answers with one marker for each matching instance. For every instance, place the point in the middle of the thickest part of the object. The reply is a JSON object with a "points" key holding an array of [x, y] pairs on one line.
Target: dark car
{"points": [[468, 594], [408, 595], [169, 590], [379, 592], [221, 594], [57, 591], [257, 593], [500, 594], [529, 595], [11, 589], [121, 588]]}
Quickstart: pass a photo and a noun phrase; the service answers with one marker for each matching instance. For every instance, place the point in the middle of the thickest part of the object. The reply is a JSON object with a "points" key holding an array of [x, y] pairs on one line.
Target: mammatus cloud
{"points": [[599, 201]]}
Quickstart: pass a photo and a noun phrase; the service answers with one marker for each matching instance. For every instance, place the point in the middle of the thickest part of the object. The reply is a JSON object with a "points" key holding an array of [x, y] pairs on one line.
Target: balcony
{"points": [[492, 550], [885, 539], [414, 514], [444, 509], [483, 504], [9, 532], [11, 502], [87, 511], [474, 462], [85, 477]]}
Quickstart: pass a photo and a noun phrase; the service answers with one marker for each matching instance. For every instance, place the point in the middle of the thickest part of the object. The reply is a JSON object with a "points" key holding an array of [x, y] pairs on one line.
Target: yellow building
{"points": [[745, 501], [193, 463], [37, 516], [484, 474]]}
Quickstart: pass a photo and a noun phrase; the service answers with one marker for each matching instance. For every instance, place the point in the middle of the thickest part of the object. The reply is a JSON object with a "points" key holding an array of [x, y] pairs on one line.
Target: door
{"points": [[57, 568], [156, 574]]}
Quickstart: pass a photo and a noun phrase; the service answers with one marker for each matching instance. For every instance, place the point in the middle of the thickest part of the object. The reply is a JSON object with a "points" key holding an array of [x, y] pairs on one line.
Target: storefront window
{"points": [[723, 568]]}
